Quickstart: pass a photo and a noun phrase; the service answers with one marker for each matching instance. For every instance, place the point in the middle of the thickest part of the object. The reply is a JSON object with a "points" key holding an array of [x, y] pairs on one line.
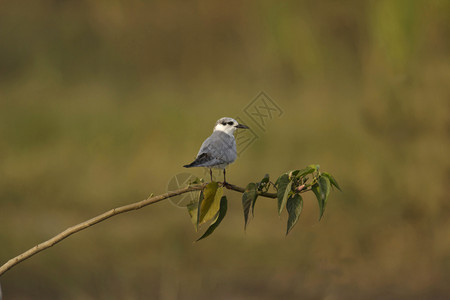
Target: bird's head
{"points": [[228, 125]]}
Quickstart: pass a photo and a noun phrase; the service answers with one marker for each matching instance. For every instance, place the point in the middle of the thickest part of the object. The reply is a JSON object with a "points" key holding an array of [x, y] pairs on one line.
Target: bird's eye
{"points": [[223, 123], [230, 123]]}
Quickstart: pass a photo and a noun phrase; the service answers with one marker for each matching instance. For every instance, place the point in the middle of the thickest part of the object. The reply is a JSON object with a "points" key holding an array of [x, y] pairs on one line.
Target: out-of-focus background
{"points": [[102, 102]]}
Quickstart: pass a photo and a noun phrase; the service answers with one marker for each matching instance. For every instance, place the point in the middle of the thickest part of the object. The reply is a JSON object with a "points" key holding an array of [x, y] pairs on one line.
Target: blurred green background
{"points": [[102, 102]]}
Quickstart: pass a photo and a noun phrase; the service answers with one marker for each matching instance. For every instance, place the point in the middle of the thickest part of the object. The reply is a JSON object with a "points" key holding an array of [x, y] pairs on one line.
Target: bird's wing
{"points": [[219, 149], [219, 146]]}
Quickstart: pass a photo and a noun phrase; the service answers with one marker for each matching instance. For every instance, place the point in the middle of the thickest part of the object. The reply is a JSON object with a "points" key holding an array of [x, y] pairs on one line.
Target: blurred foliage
{"points": [[102, 102]]}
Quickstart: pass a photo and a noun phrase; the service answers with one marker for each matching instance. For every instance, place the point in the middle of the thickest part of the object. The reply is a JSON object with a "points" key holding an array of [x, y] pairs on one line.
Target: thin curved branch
{"points": [[242, 190], [113, 212], [83, 225]]}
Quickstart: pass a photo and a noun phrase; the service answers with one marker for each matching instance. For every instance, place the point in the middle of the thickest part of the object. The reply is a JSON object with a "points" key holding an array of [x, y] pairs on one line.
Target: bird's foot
{"points": [[226, 184]]}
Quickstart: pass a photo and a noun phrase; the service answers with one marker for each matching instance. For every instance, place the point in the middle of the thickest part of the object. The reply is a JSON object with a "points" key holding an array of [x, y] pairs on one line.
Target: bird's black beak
{"points": [[242, 126]]}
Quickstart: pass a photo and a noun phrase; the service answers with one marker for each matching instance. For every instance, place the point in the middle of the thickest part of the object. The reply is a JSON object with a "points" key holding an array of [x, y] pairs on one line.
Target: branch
{"points": [[301, 189], [242, 190], [113, 212]]}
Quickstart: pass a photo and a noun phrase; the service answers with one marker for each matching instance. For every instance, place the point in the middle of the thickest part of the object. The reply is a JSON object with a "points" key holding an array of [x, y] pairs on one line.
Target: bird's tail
{"points": [[202, 158], [195, 163]]}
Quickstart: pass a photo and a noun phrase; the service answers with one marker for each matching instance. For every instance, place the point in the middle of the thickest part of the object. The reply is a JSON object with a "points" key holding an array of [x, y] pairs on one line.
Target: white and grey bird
{"points": [[219, 149]]}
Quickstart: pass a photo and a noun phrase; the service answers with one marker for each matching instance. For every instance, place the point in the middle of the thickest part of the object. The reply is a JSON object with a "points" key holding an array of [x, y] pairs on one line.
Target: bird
{"points": [[219, 149]]}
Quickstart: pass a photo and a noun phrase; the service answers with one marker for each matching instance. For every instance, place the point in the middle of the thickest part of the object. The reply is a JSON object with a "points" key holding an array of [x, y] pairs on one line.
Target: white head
{"points": [[228, 125]]}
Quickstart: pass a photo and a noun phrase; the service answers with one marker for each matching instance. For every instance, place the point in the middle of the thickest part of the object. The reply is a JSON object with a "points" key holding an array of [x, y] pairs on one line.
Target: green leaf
{"points": [[325, 187], [316, 190], [265, 179], [294, 208], [315, 167], [284, 188], [263, 183], [253, 205], [322, 190], [304, 172], [278, 181], [332, 180], [210, 204], [221, 214], [193, 213], [293, 173], [195, 180], [249, 199]]}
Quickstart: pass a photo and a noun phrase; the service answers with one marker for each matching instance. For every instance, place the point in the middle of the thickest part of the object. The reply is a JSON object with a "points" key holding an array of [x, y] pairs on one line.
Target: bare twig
{"points": [[113, 212]]}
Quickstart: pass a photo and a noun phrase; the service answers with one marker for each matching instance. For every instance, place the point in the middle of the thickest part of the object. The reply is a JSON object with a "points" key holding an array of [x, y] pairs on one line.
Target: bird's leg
{"points": [[210, 174], [225, 183]]}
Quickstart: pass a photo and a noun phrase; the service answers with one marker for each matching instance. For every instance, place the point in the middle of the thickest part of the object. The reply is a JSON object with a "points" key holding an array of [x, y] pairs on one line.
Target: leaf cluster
{"points": [[290, 185], [212, 204]]}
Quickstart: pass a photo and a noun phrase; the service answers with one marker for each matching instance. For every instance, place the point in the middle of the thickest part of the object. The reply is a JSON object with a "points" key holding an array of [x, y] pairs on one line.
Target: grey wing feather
{"points": [[219, 149]]}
